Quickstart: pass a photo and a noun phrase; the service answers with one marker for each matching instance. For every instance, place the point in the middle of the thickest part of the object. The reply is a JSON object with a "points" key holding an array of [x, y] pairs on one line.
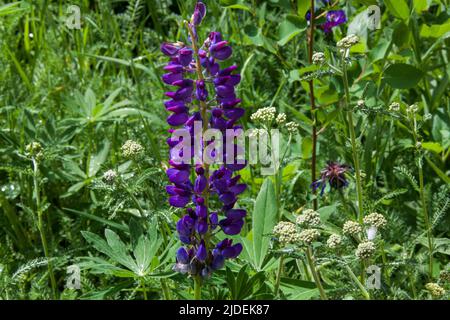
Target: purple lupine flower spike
{"points": [[192, 185]]}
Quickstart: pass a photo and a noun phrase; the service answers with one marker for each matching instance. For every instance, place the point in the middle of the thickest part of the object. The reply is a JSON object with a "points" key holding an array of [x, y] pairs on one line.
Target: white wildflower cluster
{"points": [[375, 219], [334, 241], [309, 235], [348, 41], [286, 232], [365, 250], [131, 149], [445, 275], [110, 176], [435, 289], [351, 228], [309, 218], [361, 103], [394, 107], [292, 127], [412, 109], [318, 58], [264, 115], [281, 118]]}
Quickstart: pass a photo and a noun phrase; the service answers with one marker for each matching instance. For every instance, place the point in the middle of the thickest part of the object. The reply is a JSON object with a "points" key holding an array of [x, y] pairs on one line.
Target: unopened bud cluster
{"points": [[375, 219], [348, 41], [264, 115], [309, 218], [309, 235], [318, 58], [334, 241], [110, 176], [131, 149], [435, 289], [351, 228], [365, 250], [286, 232], [292, 127]]}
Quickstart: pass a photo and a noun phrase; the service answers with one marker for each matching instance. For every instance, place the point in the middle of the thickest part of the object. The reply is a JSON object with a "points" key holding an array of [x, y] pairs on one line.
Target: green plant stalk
{"points": [[427, 223], [353, 141], [363, 290], [41, 227], [144, 290], [279, 272], [166, 291], [313, 103], [315, 274], [197, 288], [424, 206]]}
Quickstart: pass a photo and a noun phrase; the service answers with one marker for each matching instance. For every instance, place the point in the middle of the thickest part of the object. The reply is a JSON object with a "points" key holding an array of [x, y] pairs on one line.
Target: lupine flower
{"points": [[193, 185], [334, 18], [334, 174]]}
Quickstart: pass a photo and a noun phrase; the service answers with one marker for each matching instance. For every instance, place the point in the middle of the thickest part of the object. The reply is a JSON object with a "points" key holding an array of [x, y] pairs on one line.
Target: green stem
{"points": [[353, 141], [313, 103], [197, 288], [41, 227], [364, 292], [279, 272], [424, 203], [144, 290], [166, 291], [315, 274]]}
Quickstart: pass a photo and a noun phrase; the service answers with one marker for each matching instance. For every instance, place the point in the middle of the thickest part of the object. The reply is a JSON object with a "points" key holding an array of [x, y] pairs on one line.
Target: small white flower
{"points": [[286, 232], [394, 107], [264, 114], [318, 58], [361, 103], [131, 149], [375, 219], [281, 118], [365, 250], [348, 41], [351, 228], [309, 218], [334, 241], [109, 176], [292, 127]]}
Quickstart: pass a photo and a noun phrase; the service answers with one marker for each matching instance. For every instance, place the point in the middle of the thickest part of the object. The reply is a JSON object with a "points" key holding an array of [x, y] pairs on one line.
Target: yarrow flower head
{"points": [[348, 41], [334, 174], [110, 176], [365, 250], [35, 150], [445, 275], [131, 149], [309, 235], [334, 241], [286, 233], [281, 118], [375, 219], [435, 289], [292, 127], [318, 58], [394, 107], [309, 218], [351, 228], [264, 115], [204, 92]]}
